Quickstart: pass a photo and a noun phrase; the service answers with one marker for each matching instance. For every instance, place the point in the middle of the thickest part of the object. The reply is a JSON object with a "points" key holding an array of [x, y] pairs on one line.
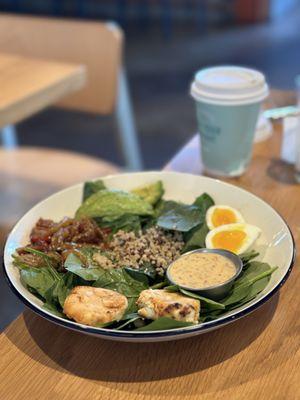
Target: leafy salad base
{"points": [[136, 213]]}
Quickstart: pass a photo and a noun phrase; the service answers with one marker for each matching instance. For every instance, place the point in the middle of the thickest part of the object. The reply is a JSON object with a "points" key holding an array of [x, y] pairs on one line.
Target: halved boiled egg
{"points": [[222, 215], [237, 238]]}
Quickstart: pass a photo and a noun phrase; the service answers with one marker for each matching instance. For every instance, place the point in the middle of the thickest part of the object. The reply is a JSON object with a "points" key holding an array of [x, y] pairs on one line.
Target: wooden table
{"points": [[28, 85], [257, 357]]}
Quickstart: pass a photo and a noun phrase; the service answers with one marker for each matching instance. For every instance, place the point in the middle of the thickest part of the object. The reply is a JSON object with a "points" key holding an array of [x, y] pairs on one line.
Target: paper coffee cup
{"points": [[228, 100]]}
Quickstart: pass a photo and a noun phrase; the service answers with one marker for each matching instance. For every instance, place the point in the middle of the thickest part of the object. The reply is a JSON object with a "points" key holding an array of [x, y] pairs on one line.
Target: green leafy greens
{"points": [[127, 223], [51, 280], [92, 187], [164, 323], [195, 238], [189, 219], [178, 216]]}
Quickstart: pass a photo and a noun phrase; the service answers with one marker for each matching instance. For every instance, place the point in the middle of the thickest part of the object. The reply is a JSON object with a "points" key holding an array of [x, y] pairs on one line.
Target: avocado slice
{"points": [[151, 193]]}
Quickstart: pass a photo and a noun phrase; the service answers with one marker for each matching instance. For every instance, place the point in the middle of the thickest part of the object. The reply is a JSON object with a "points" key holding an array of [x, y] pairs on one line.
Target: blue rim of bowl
{"points": [[157, 334], [162, 334]]}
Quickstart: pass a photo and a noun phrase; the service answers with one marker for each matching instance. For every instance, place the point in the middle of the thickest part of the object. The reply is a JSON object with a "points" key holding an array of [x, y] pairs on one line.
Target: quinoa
{"points": [[103, 261], [154, 246]]}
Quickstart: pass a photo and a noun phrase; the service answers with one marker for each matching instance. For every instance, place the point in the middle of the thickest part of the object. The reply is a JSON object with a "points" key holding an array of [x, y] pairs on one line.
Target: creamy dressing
{"points": [[201, 270]]}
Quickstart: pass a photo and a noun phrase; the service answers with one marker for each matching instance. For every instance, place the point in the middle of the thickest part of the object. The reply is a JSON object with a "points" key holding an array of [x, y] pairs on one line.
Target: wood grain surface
{"points": [[256, 357], [28, 85]]}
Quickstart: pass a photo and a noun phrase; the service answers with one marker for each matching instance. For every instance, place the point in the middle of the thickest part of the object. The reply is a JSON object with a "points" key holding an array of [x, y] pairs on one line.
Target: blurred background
{"points": [[166, 41]]}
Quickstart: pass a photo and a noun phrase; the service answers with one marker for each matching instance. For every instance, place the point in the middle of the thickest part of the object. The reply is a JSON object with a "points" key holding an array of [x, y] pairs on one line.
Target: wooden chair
{"points": [[96, 45]]}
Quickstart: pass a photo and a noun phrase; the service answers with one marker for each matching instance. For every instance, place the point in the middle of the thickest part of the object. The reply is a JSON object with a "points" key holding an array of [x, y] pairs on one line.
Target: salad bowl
{"points": [[275, 245]]}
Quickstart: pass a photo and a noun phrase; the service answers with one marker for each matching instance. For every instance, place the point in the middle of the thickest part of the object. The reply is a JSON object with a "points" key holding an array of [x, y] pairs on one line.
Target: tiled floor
{"points": [[160, 72]]}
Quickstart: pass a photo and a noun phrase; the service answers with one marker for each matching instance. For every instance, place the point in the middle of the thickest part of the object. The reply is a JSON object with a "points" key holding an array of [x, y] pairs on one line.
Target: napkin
{"points": [[291, 139], [264, 129]]}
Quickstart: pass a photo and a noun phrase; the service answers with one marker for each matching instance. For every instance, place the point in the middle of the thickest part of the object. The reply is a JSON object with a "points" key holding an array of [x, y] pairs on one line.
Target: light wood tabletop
{"points": [[28, 85], [256, 357]]}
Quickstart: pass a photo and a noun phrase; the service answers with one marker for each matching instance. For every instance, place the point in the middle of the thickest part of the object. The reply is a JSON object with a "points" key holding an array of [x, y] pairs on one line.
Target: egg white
{"points": [[252, 233], [210, 212]]}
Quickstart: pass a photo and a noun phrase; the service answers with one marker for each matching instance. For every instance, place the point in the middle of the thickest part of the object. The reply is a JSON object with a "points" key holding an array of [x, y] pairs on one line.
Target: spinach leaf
{"points": [[255, 289], [151, 193], [90, 273], [127, 223], [164, 323], [258, 275], [251, 283], [126, 320], [92, 187], [50, 285], [248, 257], [146, 273], [211, 316], [87, 255], [40, 279], [160, 206], [247, 287], [160, 285], [255, 269], [148, 269], [236, 296], [186, 218], [195, 238], [54, 310], [110, 205], [206, 303], [120, 281], [171, 288], [204, 202], [178, 216], [137, 275], [58, 293]]}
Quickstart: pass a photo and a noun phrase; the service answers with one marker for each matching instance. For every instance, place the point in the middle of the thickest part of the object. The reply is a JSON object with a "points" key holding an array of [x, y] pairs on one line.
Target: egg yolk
{"points": [[223, 216], [229, 240]]}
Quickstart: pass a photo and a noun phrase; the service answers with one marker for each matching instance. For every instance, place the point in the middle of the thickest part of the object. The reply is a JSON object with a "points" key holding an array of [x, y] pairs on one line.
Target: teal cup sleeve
{"points": [[227, 135]]}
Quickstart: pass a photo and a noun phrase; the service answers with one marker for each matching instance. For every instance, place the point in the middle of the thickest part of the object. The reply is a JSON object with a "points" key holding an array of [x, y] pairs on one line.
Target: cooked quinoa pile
{"points": [[154, 246]]}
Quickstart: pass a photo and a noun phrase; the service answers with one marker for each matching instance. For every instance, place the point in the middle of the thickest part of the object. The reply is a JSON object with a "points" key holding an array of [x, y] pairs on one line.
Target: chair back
{"points": [[96, 45]]}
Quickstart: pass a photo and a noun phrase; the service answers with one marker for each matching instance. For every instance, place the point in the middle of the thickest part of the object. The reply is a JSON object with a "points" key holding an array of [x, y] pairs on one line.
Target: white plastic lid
{"points": [[229, 85]]}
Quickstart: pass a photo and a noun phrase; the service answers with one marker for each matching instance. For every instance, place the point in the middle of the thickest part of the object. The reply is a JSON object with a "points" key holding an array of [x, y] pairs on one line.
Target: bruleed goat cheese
{"points": [[93, 306], [154, 304]]}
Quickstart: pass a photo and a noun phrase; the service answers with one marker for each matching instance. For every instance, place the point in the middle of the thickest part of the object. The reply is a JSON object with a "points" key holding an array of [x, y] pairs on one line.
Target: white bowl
{"points": [[276, 244]]}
